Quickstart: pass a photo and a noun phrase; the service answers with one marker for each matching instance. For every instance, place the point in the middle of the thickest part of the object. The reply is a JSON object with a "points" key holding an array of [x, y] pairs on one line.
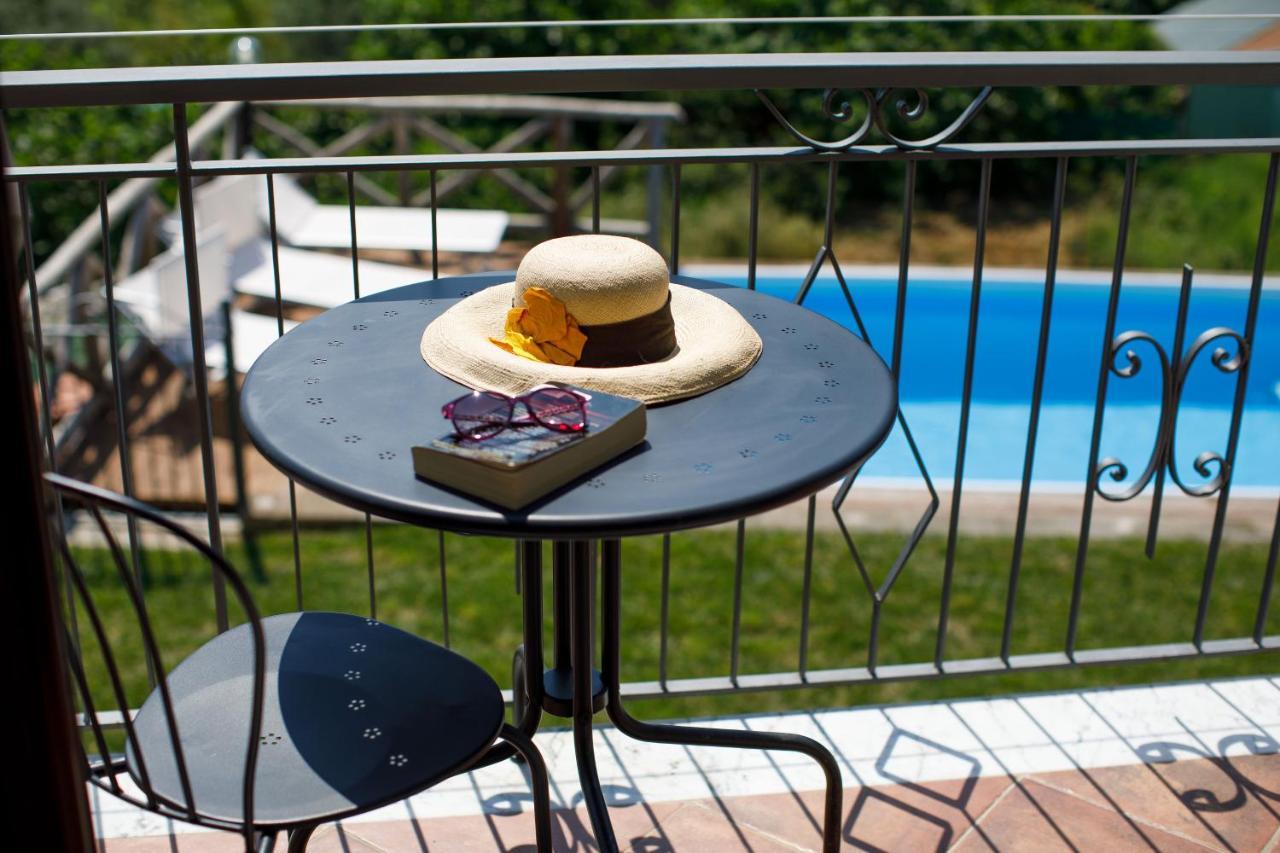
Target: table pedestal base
{"points": [[574, 689]]}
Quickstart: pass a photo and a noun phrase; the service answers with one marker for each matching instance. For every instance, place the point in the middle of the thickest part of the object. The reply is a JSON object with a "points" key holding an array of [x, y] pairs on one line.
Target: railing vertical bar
{"points": [[1037, 395], [91, 712], [675, 219], [97, 626], [117, 383], [355, 288], [975, 296], [152, 650], [46, 396], [753, 229], [736, 637], [435, 274], [664, 618], [829, 220], [904, 266], [1237, 406], [653, 185], [806, 595], [435, 239], [824, 253], [1167, 410], [186, 202], [33, 294], [1268, 579], [1117, 272], [293, 489], [444, 590], [595, 199], [873, 641]]}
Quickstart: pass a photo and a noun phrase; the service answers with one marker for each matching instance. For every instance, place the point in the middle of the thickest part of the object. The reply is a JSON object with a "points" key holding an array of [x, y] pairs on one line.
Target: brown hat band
{"points": [[640, 340]]}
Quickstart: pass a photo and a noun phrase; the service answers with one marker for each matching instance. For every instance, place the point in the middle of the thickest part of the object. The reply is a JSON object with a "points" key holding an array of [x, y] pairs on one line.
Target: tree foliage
{"points": [[733, 118]]}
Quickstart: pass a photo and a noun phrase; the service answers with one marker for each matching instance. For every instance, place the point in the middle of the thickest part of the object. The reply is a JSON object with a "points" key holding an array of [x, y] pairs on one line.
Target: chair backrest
{"points": [[173, 311], [226, 203], [108, 635]]}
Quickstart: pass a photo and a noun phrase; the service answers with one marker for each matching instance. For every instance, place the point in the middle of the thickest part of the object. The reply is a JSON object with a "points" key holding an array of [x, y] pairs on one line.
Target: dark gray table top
{"points": [[338, 401]]}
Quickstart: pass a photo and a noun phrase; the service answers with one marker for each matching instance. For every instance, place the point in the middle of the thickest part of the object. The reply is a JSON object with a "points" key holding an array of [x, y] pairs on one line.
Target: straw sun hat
{"points": [[646, 338]]}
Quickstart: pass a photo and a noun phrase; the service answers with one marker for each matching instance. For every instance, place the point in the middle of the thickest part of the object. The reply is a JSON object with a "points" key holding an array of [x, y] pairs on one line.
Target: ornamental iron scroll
{"points": [[909, 110], [1229, 354]]}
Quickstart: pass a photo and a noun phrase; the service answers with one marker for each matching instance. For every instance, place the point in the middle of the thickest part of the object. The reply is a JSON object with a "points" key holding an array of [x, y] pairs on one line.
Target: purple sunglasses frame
{"points": [[447, 411]]}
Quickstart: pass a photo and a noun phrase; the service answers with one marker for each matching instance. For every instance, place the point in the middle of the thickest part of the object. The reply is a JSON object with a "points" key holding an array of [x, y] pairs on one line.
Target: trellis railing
{"points": [[391, 88]]}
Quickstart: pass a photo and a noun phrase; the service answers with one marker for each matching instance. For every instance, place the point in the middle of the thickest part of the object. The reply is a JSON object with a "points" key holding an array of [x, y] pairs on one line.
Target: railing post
{"points": [[561, 210], [653, 183], [200, 374], [400, 132]]}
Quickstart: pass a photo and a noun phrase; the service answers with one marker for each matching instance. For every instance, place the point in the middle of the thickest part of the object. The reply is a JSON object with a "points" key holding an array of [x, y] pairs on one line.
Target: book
{"points": [[523, 463]]}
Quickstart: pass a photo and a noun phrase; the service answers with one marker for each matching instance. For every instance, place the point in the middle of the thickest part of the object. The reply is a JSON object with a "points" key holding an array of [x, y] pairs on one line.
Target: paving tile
{"points": [[634, 827], [335, 838], [1261, 773], [1194, 799], [1256, 698], [793, 818], [186, 842], [924, 816], [702, 826], [1033, 817]]}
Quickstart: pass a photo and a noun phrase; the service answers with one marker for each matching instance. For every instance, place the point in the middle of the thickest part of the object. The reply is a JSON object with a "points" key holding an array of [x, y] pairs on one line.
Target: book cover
{"points": [[523, 463], [516, 447]]}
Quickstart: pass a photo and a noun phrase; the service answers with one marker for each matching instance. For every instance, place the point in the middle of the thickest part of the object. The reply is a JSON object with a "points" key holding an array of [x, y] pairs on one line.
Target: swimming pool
{"points": [[933, 354]]}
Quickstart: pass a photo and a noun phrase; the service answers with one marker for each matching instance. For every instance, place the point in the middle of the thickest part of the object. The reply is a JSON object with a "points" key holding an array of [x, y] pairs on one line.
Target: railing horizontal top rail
{"points": [[519, 105], [639, 157], [547, 75]]}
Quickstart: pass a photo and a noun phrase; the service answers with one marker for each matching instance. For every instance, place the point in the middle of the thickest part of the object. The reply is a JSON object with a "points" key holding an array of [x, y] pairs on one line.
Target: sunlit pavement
{"points": [[1188, 766]]}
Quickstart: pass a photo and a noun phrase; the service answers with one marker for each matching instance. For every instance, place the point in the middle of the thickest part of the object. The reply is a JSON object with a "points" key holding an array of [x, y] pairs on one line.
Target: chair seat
{"points": [[356, 714]]}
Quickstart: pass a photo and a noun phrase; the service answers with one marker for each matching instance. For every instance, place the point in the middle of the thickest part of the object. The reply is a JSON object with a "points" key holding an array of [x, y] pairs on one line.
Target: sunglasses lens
{"points": [[481, 415], [557, 409]]}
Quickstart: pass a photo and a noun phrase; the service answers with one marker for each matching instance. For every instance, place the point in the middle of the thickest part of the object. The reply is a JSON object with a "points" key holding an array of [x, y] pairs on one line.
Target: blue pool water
{"points": [[933, 356]]}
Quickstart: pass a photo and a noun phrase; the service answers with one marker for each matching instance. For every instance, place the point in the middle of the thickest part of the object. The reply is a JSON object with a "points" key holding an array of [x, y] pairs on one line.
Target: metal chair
{"points": [[285, 722]]}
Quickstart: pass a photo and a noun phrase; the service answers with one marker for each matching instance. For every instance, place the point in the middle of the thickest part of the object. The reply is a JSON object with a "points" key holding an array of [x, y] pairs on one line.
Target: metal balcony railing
{"points": [[874, 79]]}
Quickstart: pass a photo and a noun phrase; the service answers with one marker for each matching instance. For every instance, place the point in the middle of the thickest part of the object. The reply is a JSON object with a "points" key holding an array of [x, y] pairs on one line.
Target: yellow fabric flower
{"points": [[542, 330]]}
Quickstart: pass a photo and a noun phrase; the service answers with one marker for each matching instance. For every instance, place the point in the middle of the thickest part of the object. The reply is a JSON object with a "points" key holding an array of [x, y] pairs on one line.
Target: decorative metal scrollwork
{"points": [[1210, 465], [910, 111], [1112, 467]]}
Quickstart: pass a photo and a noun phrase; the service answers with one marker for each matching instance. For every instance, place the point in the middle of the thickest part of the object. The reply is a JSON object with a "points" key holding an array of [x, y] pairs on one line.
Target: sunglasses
{"points": [[483, 414]]}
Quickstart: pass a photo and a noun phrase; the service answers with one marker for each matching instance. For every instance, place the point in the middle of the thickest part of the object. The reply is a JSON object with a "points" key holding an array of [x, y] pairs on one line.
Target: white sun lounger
{"points": [[312, 278], [303, 222], [156, 298], [307, 277]]}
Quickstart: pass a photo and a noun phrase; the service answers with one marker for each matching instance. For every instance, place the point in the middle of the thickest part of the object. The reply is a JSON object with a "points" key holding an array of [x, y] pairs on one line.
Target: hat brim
{"points": [[714, 345]]}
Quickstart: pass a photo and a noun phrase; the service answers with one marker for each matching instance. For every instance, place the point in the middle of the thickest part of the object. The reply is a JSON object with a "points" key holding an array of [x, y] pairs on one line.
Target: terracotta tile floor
{"points": [[1203, 806], [1176, 767]]}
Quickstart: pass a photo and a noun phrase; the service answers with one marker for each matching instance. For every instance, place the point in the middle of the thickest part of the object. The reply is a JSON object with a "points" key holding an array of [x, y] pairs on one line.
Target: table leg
{"points": [[571, 687], [582, 649], [611, 567], [527, 697]]}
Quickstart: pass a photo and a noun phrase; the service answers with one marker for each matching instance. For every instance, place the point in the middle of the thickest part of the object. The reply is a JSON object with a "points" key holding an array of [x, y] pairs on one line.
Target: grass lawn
{"points": [[1127, 600]]}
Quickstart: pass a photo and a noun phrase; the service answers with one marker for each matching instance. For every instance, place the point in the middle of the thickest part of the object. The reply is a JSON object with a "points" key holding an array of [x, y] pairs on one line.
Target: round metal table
{"points": [[337, 403]]}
